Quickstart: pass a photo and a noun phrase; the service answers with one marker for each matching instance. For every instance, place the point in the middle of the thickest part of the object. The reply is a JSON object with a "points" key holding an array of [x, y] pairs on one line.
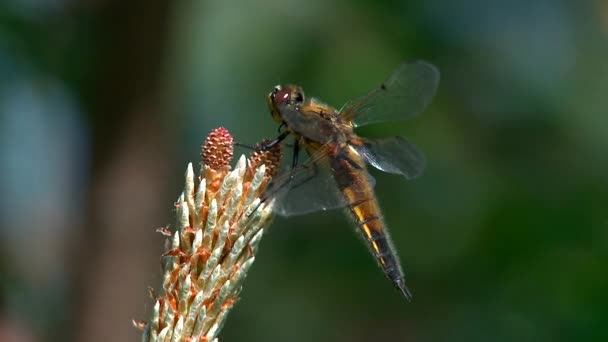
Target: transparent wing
{"points": [[406, 92], [393, 155], [308, 188]]}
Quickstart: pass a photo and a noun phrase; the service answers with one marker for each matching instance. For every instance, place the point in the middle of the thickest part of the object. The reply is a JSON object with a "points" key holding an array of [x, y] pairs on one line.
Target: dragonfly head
{"points": [[281, 96]]}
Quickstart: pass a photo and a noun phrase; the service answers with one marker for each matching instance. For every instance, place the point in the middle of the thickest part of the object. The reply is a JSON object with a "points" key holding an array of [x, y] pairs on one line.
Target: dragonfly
{"points": [[335, 175]]}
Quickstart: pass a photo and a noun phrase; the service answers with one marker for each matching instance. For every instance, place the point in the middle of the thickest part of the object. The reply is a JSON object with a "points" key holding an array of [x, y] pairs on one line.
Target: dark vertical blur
{"points": [[101, 63], [130, 161], [103, 103]]}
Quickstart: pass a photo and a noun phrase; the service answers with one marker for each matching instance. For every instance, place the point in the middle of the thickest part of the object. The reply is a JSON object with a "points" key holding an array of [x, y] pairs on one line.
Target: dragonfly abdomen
{"points": [[352, 180]]}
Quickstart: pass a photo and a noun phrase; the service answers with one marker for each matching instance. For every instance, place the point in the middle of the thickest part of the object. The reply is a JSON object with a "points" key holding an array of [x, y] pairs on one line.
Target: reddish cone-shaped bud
{"points": [[218, 149]]}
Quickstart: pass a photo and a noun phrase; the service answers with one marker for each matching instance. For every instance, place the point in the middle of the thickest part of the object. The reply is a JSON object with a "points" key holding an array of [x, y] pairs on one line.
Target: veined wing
{"points": [[308, 188], [393, 155], [405, 93]]}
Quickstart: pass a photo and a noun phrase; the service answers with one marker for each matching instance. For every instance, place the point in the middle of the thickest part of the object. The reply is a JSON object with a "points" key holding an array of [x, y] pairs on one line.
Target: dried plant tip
{"points": [[140, 325], [220, 220], [218, 149], [164, 231], [270, 157]]}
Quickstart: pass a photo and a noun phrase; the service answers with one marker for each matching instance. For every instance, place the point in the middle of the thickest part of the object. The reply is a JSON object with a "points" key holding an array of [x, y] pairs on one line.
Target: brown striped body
{"points": [[350, 174]]}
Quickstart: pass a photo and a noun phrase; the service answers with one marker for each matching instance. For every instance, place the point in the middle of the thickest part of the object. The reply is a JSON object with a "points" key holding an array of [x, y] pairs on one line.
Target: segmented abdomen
{"points": [[352, 180]]}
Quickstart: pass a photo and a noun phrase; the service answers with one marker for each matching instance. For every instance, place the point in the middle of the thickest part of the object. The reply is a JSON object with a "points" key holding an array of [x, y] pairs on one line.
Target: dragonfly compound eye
{"points": [[281, 95]]}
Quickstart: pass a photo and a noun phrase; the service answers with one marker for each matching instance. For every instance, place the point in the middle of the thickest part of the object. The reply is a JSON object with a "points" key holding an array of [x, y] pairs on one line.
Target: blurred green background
{"points": [[504, 238]]}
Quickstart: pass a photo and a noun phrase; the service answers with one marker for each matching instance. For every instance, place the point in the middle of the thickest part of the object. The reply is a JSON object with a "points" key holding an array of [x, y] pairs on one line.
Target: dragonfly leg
{"points": [[287, 181], [266, 146], [249, 147], [281, 126], [296, 152], [278, 140], [294, 165]]}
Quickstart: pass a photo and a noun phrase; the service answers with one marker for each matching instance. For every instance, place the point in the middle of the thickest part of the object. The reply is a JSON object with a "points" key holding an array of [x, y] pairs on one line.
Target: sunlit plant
{"points": [[220, 222]]}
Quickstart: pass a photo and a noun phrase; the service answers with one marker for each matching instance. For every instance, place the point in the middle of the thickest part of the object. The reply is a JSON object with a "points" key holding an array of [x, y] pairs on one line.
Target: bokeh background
{"points": [[504, 238]]}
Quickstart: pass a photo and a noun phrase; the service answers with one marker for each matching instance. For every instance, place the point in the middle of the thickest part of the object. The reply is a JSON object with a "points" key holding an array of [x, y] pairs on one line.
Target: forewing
{"points": [[393, 155], [405, 93], [306, 189]]}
